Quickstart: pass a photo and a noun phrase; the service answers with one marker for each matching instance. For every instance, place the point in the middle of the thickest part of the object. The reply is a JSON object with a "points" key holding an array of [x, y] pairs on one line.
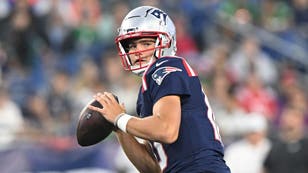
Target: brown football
{"points": [[92, 127]]}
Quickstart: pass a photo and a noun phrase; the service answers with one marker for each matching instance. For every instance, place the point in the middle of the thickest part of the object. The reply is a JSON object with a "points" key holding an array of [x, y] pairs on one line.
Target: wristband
{"points": [[122, 120], [117, 118]]}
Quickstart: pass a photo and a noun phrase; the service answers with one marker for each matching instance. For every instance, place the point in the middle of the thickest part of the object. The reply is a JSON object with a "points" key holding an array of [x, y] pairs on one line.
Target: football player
{"points": [[174, 115]]}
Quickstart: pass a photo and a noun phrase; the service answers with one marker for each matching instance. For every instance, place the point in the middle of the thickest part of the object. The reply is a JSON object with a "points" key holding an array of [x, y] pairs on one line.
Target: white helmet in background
{"points": [[146, 21]]}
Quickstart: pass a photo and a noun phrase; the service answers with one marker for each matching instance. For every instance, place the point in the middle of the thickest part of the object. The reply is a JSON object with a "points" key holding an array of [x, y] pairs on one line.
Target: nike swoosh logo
{"points": [[160, 63]]}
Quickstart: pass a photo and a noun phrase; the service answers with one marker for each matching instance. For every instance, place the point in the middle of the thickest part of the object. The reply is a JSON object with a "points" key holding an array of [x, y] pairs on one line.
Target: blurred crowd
{"points": [[250, 54]]}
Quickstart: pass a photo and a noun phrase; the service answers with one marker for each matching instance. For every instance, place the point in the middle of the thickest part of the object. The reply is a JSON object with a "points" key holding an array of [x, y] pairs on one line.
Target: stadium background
{"points": [[55, 54]]}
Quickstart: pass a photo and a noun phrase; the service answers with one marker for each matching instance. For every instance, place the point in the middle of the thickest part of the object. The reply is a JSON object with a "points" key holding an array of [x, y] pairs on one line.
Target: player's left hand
{"points": [[111, 108]]}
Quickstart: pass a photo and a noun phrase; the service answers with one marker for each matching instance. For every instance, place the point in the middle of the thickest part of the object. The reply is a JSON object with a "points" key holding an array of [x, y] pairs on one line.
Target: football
{"points": [[92, 127]]}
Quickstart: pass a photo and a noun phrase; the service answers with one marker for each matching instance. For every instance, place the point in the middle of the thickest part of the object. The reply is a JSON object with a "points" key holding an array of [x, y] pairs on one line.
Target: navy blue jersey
{"points": [[198, 147]]}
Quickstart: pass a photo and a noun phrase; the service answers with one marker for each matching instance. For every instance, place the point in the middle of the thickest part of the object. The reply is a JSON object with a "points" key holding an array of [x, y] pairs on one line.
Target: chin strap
{"points": [[139, 72]]}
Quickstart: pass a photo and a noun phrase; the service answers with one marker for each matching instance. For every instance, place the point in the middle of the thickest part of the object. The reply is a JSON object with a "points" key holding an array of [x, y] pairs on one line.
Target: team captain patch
{"points": [[162, 72]]}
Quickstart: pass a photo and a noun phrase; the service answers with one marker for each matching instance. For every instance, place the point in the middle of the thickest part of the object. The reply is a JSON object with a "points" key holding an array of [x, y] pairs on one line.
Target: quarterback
{"points": [[174, 117]]}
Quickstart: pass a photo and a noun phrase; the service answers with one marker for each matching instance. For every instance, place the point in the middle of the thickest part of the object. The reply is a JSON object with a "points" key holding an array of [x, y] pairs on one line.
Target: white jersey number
{"points": [[161, 154], [211, 117]]}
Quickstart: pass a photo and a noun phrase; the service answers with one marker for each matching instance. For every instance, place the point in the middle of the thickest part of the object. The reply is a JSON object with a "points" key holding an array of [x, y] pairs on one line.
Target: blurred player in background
{"points": [[289, 152], [174, 116]]}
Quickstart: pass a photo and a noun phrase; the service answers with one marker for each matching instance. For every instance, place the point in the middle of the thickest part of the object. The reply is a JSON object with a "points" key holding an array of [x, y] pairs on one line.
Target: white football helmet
{"points": [[146, 21]]}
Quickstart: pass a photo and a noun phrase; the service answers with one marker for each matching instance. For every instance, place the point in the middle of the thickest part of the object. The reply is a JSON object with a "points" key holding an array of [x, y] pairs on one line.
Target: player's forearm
{"points": [[163, 126], [152, 128], [138, 153]]}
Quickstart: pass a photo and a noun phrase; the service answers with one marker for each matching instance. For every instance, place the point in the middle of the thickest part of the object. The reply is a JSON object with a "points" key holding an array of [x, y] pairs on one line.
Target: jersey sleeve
{"points": [[169, 79]]}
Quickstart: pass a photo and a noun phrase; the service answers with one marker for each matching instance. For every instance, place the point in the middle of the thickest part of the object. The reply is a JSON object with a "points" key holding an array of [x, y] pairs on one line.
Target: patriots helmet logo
{"points": [[159, 75]]}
